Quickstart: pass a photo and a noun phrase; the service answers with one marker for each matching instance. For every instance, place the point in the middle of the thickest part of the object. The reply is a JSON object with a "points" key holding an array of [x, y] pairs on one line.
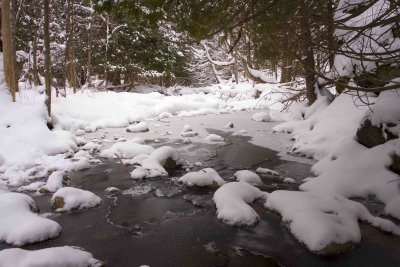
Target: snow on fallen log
{"points": [[49, 257], [326, 224], [232, 205], [19, 224], [204, 177]]}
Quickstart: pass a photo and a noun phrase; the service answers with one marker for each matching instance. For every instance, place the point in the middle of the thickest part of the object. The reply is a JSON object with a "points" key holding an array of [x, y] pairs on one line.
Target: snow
{"points": [[19, 225], [139, 127], [246, 176], [289, 181], [75, 198], [55, 182], [126, 150], [266, 171], [232, 200], [320, 219], [153, 165], [31, 187], [261, 117], [204, 177], [214, 138], [49, 257]]}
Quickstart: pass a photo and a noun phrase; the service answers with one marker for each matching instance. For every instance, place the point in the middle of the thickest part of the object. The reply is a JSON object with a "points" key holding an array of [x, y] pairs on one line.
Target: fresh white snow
{"points": [[74, 198], [49, 257], [246, 176], [232, 200], [204, 177]]}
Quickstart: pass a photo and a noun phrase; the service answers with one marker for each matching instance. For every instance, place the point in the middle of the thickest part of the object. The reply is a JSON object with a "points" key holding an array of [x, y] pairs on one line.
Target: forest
{"points": [[229, 125]]}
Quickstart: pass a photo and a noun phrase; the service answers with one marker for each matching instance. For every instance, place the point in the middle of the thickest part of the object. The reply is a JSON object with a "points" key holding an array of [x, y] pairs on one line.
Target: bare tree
{"points": [[47, 54], [8, 37]]}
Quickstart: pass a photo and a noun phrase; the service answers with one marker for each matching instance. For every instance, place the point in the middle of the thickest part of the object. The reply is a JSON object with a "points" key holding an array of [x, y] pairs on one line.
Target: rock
{"points": [[334, 249], [370, 135], [58, 203], [395, 166]]}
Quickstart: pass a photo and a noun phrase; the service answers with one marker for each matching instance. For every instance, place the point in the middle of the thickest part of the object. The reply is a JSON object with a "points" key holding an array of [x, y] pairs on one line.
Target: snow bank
{"points": [[353, 170], [204, 177], [19, 225], [231, 201], [50, 257], [154, 165], [246, 176], [69, 198], [325, 126], [126, 150], [322, 221]]}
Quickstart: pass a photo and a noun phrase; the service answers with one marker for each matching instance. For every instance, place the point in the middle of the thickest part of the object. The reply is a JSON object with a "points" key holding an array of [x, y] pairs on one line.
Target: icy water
{"points": [[161, 223]]}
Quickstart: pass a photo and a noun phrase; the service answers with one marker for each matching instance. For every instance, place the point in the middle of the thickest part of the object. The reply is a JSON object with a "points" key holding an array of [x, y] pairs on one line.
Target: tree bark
{"points": [[9, 55], [47, 56]]}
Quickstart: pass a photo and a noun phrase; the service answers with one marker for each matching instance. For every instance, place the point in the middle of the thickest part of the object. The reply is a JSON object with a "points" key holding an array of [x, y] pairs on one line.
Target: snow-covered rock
{"points": [[68, 198], [155, 164], [246, 176], [55, 181], [19, 225], [126, 150], [91, 146], [289, 181], [32, 187], [49, 257], [261, 117], [267, 171], [326, 224], [214, 138], [204, 177], [139, 127], [111, 189], [232, 200]]}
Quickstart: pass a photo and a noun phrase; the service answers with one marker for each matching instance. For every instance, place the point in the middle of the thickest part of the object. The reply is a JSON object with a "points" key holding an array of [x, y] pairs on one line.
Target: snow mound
{"points": [[19, 225], [214, 138], [55, 181], [32, 187], [322, 221], [68, 198], [49, 257], [204, 177], [261, 117], [267, 171], [126, 150], [154, 165], [139, 127], [246, 176], [231, 201]]}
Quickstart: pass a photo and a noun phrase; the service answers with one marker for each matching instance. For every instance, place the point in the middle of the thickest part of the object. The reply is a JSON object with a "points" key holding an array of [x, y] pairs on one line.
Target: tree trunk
{"points": [[308, 53], [71, 67], [47, 58], [9, 55]]}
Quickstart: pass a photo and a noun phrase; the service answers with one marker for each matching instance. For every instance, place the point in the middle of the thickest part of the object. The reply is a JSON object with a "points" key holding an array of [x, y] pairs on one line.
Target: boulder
{"points": [[370, 135]]}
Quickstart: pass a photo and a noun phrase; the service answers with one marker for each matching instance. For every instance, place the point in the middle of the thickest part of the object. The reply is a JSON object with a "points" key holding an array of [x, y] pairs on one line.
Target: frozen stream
{"points": [[158, 222]]}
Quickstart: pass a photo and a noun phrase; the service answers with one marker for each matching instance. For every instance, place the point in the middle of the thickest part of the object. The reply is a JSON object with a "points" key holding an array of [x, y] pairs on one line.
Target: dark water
{"points": [[176, 226]]}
